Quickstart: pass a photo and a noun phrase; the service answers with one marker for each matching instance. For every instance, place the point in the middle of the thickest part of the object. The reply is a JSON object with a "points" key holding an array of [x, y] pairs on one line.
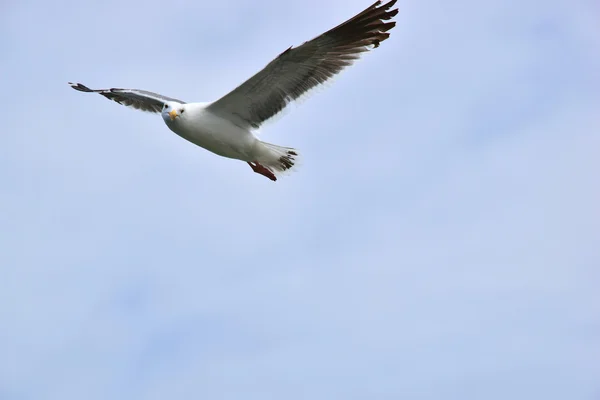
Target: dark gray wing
{"points": [[138, 99], [299, 69]]}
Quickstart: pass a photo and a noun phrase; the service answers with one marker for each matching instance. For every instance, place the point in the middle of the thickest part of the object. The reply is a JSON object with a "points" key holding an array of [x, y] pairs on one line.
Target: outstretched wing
{"points": [[138, 99], [299, 69]]}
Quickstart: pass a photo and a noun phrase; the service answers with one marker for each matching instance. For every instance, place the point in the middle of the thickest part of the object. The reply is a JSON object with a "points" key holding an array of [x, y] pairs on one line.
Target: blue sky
{"points": [[440, 240]]}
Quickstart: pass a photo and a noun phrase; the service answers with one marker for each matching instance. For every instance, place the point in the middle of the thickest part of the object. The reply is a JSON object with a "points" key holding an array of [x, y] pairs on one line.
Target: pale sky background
{"points": [[440, 240]]}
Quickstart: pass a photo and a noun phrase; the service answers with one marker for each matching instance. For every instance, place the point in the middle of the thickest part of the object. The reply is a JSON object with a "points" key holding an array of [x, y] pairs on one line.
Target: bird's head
{"points": [[173, 110]]}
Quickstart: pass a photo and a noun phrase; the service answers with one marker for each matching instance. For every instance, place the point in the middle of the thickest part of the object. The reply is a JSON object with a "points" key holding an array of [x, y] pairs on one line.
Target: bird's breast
{"points": [[214, 134]]}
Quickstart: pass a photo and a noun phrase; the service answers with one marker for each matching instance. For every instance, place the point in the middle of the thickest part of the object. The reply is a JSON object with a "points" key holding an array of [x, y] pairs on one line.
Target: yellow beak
{"points": [[173, 114]]}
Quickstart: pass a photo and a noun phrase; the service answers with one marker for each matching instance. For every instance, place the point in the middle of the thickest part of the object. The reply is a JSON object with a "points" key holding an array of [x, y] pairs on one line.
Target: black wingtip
{"points": [[80, 87]]}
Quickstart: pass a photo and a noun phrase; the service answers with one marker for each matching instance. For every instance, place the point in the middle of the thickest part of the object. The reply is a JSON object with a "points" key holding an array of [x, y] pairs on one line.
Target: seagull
{"points": [[226, 126]]}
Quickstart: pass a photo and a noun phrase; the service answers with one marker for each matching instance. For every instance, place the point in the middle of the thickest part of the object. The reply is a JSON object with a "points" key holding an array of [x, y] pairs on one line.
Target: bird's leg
{"points": [[259, 169]]}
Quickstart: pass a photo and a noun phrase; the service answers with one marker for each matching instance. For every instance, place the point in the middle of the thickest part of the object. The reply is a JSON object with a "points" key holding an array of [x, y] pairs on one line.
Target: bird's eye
{"points": [[182, 110], [166, 106]]}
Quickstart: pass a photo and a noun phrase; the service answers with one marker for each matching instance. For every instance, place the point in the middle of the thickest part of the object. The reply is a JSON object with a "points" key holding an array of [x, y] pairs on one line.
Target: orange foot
{"points": [[259, 169]]}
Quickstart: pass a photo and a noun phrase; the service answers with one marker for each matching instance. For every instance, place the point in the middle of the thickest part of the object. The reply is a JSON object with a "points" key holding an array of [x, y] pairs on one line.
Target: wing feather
{"points": [[138, 99], [299, 69]]}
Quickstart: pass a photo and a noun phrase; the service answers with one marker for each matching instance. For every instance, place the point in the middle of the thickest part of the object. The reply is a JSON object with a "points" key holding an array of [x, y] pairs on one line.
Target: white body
{"points": [[195, 123], [211, 132]]}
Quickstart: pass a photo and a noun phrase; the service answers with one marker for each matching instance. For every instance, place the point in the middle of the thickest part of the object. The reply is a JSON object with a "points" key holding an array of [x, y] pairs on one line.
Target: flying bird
{"points": [[226, 126]]}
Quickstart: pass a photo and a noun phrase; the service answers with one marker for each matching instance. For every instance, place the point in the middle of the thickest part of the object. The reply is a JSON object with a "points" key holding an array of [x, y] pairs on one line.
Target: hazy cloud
{"points": [[439, 241]]}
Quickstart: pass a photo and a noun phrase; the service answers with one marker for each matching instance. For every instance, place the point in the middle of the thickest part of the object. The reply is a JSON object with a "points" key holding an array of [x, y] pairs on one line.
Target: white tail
{"points": [[279, 160]]}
